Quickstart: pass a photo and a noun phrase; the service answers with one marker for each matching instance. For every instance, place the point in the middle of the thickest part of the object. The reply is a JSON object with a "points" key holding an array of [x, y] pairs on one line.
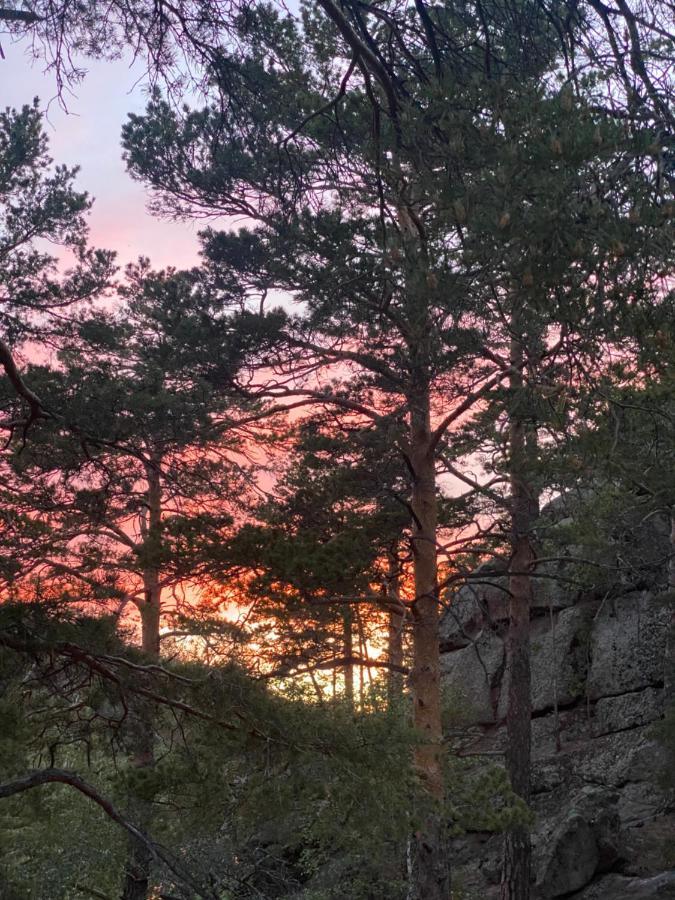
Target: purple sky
{"points": [[88, 135]]}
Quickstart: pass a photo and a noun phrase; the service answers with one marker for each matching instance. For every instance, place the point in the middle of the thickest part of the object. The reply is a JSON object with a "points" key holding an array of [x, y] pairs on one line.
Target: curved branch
{"points": [[39, 777], [361, 52], [37, 408]]}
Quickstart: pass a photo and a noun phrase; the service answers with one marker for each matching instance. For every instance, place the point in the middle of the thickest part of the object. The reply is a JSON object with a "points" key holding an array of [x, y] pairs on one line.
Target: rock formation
{"points": [[605, 821]]}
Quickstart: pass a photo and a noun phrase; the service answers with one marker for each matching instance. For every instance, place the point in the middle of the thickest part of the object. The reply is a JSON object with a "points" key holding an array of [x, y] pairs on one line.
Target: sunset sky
{"points": [[88, 135]]}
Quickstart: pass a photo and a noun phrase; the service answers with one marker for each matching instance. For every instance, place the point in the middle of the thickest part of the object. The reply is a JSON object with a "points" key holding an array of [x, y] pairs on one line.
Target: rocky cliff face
{"points": [[605, 826]]}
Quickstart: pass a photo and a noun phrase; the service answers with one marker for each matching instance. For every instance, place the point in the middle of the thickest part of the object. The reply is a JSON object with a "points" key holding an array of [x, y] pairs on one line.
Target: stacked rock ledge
{"points": [[605, 824]]}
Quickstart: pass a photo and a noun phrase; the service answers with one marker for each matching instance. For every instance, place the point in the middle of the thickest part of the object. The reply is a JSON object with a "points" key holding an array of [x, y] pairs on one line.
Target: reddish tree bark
{"points": [[428, 868], [394, 630]]}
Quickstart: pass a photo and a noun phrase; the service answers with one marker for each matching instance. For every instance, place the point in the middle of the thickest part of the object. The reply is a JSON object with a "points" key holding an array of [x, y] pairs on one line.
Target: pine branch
{"points": [[40, 777]]}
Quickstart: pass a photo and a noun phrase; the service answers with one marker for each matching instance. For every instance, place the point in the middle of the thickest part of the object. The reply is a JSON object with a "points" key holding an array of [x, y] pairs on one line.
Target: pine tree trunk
{"points": [[671, 562], [517, 850], [348, 652], [394, 631], [428, 869], [363, 653], [139, 859], [669, 674]]}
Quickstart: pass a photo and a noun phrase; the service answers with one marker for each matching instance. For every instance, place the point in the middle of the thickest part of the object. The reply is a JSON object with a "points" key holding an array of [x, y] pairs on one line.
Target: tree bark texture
{"points": [[669, 674], [428, 869], [517, 850], [139, 858], [348, 649], [394, 631]]}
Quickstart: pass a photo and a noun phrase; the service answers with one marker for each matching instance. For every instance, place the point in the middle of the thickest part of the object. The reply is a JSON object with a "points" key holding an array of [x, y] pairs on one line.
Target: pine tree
{"points": [[135, 515], [38, 202], [319, 554], [373, 289], [568, 239]]}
